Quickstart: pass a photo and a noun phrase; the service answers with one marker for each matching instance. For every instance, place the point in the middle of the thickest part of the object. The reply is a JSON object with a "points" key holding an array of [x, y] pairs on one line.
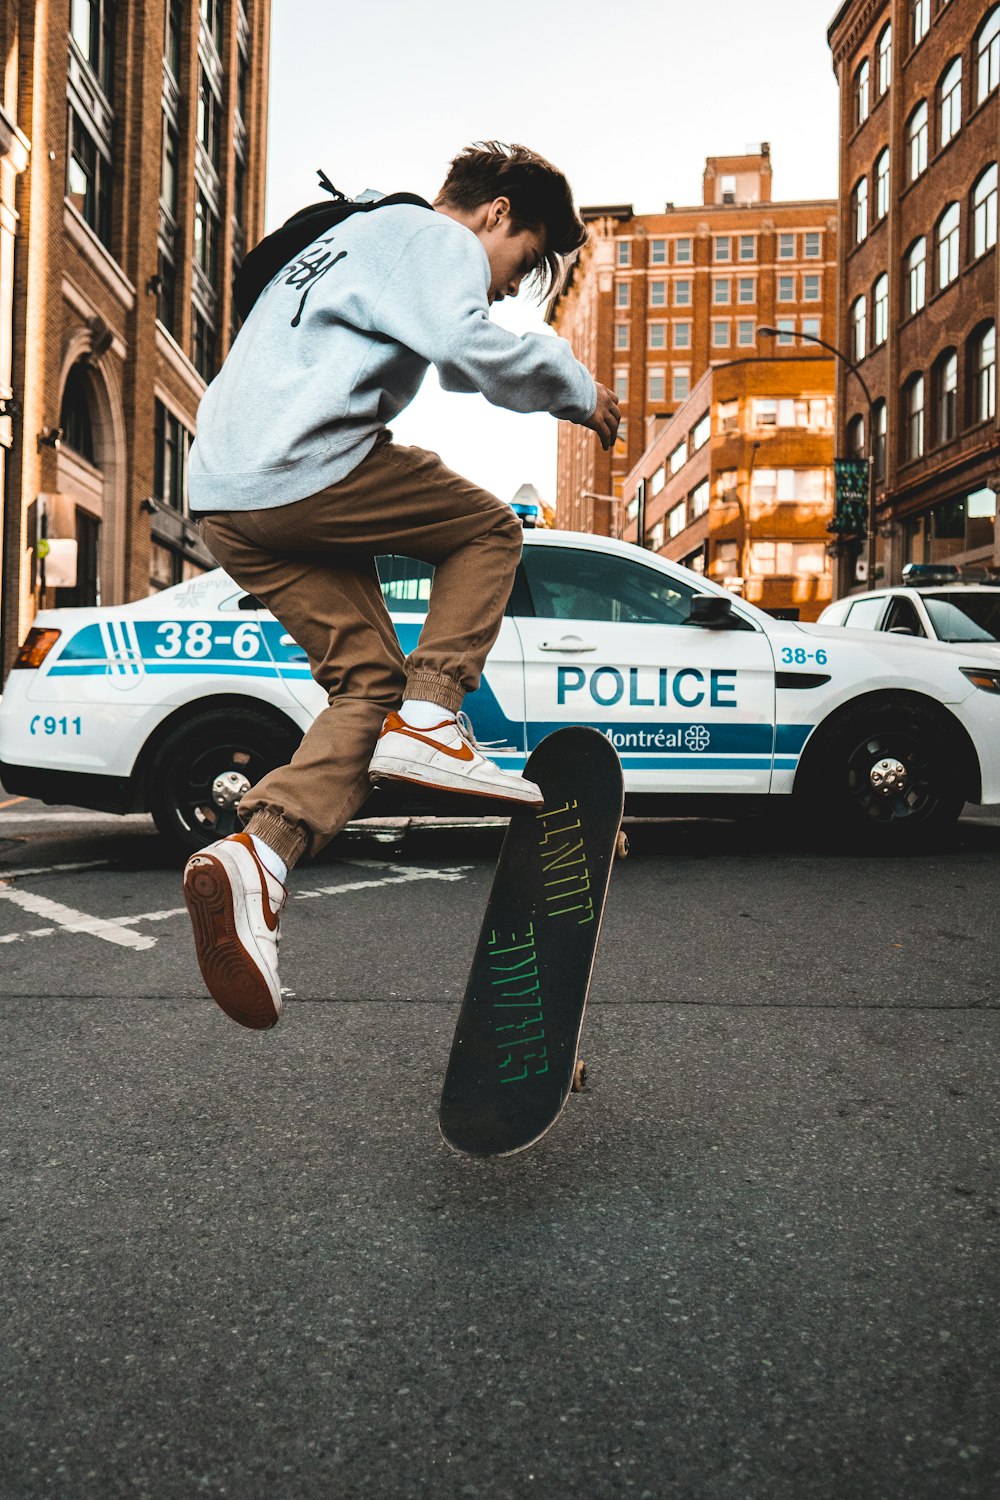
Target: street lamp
{"points": [[852, 369]]}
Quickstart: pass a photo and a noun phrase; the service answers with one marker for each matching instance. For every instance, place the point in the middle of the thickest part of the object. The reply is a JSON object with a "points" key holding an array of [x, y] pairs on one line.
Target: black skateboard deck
{"points": [[514, 1057]]}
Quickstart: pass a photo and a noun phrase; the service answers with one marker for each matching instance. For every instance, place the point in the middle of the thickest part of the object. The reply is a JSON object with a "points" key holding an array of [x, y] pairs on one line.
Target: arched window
{"points": [[913, 417], [74, 414], [920, 20], [950, 102], [884, 54], [882, 184], [916, 275], [879, 425], [988, 55], [859, 328], [862, 92], [880, 304], [947, 245], [860, 199], [945, 384], [983, 369], [984, 211], [916, 140], [856, 437]]}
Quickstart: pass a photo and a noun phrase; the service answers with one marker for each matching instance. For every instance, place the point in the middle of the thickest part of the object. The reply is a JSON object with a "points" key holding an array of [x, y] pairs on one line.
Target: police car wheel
{"points": [[205, 765], [888, 773]]}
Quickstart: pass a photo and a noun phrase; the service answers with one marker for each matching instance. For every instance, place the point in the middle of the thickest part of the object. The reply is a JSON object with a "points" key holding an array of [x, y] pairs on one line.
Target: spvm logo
{"points": [[697, 737]]}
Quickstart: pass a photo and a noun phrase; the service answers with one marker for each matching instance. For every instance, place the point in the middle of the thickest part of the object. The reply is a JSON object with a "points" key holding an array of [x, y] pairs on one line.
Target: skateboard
{"points": [[514, 1059]]}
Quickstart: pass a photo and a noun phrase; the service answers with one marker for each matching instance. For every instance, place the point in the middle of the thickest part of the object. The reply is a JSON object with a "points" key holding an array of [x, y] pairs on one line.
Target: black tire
{"points": [[836, 780], [194, 754]]}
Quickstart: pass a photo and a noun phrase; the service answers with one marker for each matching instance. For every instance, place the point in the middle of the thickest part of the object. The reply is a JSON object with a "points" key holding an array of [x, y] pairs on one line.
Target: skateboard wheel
{"points": [[621, 846], [579, 1075]]}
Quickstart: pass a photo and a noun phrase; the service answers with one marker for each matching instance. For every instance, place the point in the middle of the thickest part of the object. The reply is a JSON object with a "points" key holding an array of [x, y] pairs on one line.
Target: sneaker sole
{"points": [[438, 783], [232, 978]]}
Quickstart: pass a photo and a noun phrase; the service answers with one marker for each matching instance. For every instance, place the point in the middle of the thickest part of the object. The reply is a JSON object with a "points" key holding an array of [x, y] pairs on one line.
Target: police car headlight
{"points": [[35, 648], [983, 677]]}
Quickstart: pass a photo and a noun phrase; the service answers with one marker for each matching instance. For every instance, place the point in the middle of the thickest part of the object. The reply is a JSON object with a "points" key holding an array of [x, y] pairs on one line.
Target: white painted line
{"points": [[395, 875], [72, 817], [86, 864], [71, 920]]}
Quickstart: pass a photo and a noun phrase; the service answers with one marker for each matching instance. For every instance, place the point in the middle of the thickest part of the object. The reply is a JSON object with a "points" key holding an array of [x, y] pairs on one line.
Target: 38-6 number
{"points": [[801, 657], [195, 641]]}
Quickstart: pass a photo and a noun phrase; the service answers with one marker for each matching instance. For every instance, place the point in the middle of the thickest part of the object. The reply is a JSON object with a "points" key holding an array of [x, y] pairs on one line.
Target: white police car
{"points": [[177, 703]]}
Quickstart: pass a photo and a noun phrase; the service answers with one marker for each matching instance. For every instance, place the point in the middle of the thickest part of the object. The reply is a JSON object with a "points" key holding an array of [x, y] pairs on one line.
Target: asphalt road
{"points": [[756, 1259]]}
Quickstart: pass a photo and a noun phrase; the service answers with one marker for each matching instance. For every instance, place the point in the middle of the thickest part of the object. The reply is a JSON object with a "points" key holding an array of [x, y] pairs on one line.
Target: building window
{"points": [[988, 55], [786, 331], [211, 19], [168, 180], [657, 294], [916, 276], [786, 247], [862, 92], [682, 384], [677, 518], [172, 441], [624, 252], [944, 379], [623, 294], [947, 245], [859, 328], [655, 536], [657, 252], [884, 55], [204, 345], [746, 333], [882, 184], [74, 414], [786, 288], [810, 288], [984, 212], [920, 20], [720, 333], [621, 385], [657, 335], [166, 292], [682, 251], [172, 40], [810, 327], [621, 335], [657, 481], [856, 437], [722, 290], [682, 293], [699, 498], [656, 391], [916, 140], [682, 335], [723, 248], [701, 432], [879, 420], [678, 458], [206, 238], [209, 120], [860, 201], [950, 102], [88, 178], [92, 27], [880, 303], [748, 247], [747, 291], [913, 417], [984, 374], [812, 245]]}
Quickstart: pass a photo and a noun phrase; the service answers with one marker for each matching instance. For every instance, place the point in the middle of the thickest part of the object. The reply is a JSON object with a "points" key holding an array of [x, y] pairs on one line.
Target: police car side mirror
{"points": [[712, 612]]}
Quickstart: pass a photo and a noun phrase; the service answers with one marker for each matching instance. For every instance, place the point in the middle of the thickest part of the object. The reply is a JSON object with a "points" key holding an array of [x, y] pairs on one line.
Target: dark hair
{"points": [[540, 198]]}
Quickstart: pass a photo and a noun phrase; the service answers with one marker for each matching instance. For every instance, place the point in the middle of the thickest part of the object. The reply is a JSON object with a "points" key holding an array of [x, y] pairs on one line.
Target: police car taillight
{"points": [[35, 648]]}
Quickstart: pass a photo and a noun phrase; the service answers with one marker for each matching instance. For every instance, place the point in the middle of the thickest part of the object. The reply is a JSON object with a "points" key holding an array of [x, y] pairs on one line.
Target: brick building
{"points": [[738, 483], [142, 133], [654, 300], [918, 272]]}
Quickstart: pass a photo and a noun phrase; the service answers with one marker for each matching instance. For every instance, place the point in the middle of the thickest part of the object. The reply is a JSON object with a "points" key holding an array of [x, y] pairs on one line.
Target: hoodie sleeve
{"points": [[436, 302]]}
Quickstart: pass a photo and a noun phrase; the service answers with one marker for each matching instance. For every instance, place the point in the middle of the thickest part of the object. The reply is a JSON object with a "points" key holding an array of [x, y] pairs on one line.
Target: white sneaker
{"points": [[447, 758], [235, 905]]}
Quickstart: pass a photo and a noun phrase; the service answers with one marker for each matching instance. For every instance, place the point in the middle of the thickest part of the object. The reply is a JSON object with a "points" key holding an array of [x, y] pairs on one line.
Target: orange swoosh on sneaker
{"points": [[463, 751], [271, 917]]}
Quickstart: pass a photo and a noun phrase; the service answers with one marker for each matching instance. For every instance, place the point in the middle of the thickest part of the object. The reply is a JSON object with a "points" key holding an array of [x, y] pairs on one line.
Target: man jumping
{"points": [[300, 486]]}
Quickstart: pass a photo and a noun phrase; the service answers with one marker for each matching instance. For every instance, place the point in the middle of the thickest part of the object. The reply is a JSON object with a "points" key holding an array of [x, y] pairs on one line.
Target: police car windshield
{"points": [[964, 617]]}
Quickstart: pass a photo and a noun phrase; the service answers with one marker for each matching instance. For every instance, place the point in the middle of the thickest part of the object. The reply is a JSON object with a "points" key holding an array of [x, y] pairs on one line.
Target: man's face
{"points": [[513, 253]]}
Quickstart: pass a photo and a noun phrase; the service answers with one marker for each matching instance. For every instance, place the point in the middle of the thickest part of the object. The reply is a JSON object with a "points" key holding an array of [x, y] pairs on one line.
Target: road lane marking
{"points": [[117, 929], [74, 817], [13, 802], [81, 864]]}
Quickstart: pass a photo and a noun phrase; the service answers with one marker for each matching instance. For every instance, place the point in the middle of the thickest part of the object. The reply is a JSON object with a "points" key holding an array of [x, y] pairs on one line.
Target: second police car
{"points": [[177, 703]]}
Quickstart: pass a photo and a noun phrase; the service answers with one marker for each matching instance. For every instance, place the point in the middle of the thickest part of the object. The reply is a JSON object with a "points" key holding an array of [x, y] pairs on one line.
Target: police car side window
{"points": [[903, 618], [568, 583], [865, 614], [406, 584]]}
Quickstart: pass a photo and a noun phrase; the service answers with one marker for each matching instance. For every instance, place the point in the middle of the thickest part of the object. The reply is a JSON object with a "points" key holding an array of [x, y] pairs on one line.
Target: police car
{"points": [[177, 703], [934, 603]]}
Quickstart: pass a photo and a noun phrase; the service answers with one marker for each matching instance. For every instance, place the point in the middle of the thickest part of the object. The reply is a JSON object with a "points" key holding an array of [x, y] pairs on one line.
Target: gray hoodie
{"points": [[339, 343]]}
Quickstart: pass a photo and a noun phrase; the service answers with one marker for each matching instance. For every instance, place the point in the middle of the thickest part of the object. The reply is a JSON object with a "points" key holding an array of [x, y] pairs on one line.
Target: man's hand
{"points": [[605, 417]]}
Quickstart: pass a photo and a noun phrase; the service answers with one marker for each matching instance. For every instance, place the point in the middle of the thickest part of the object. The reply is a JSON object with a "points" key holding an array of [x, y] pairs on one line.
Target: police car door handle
{"points": [[568, 643]]}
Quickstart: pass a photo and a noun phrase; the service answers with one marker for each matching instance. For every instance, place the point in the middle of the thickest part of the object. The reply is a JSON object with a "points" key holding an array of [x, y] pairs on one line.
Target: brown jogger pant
{"points": [[312, 564]]}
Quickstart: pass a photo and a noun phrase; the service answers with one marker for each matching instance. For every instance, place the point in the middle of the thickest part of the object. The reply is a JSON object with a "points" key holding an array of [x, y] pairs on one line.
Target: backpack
{"points": [[277, 249]]}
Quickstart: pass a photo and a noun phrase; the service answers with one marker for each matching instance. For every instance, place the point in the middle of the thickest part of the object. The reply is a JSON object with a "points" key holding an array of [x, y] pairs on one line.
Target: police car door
{"points": [[688, 709]]}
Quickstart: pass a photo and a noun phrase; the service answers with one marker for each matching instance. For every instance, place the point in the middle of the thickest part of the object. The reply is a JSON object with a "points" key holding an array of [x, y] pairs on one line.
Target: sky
{"points": [[627, 100]]}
